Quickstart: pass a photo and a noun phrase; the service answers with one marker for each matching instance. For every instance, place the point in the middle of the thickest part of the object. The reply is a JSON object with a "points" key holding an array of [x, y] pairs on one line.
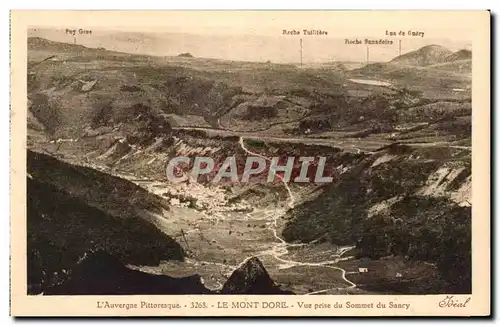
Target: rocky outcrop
{"points": [[251, 278]]}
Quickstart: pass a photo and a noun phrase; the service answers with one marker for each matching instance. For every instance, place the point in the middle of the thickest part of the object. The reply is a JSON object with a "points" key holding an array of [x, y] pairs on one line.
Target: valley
{"points": [[103, 125]]}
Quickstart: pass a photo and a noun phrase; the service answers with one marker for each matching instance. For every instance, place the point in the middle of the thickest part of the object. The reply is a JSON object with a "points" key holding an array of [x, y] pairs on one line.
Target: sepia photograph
{"points": [[300, 159]]}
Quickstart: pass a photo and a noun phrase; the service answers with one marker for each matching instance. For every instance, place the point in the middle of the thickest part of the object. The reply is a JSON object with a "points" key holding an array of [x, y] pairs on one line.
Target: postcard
{"points": [[250, 163]]}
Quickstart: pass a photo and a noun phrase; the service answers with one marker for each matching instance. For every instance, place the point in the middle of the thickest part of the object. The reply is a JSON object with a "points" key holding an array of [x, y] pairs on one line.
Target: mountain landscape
{"points": [[459, 55], [251, 46], [428, 55], [432, 55], [103, 125]]}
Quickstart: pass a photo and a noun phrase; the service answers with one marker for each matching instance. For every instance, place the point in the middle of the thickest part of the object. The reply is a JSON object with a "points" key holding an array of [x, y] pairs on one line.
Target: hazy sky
{"points": [[258, 36]]}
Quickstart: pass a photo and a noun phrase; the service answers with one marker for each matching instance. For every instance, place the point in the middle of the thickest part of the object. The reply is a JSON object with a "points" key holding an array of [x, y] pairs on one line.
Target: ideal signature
{"points": [[449, 301]]}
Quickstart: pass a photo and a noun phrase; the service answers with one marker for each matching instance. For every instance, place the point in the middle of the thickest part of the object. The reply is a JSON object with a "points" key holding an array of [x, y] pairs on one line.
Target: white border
{"points": [[186, 4]]}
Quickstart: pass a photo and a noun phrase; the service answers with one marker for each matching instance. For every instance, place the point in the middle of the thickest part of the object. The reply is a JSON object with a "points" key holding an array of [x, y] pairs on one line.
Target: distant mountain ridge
{"points": [[426, 61], [460, 55], [35, 43], [425, 56], [273, 47]]}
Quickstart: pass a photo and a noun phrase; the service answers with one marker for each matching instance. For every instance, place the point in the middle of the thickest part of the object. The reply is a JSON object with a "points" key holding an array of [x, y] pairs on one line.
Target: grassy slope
{"points": [[72, 210], [207, 88], [235, 95], [418, 226]]}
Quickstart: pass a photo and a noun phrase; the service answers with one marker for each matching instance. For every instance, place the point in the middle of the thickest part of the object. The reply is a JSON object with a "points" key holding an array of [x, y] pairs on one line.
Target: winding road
{"points": [[369, 147], [281, 248]]}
